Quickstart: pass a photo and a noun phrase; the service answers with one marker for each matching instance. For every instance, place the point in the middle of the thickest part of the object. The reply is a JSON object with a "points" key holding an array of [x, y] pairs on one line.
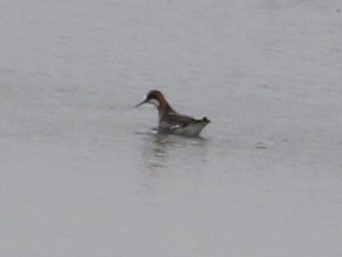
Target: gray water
{"points": [[83, 173]]}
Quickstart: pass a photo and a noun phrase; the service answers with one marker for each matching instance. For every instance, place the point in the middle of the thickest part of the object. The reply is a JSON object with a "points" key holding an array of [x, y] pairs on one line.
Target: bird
{"points": [[170, 121]]}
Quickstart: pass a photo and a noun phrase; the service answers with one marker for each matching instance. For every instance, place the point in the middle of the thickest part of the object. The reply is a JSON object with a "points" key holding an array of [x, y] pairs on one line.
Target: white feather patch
{"points": [[154, 102]]}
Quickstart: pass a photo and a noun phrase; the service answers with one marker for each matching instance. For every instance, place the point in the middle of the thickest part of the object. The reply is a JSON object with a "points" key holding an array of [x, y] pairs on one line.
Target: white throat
{"points": [[154, 102]]}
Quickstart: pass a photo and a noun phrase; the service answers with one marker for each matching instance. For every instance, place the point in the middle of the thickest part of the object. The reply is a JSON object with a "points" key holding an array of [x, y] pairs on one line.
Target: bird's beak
{"points": [[141, 103]]}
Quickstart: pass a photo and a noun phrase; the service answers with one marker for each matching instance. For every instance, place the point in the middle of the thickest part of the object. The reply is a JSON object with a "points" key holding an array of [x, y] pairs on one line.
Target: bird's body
{"points": [[172, 122]]}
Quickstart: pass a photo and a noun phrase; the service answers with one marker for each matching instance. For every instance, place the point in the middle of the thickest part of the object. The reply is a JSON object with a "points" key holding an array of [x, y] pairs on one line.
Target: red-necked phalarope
{"points": [[171, 121]]}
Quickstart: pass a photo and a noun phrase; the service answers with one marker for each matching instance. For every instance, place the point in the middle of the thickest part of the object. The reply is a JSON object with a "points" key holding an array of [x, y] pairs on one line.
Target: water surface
{"points": [[83, 173]]}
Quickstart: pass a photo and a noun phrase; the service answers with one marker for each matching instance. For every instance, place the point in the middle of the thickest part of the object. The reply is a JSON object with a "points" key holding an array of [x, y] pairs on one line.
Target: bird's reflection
{"points": [[157, 152], [159, 149], [164, 158]]}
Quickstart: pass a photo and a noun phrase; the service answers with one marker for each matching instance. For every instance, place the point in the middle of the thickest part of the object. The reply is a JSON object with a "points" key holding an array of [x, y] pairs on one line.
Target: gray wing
{"points": [[176, 121]]}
